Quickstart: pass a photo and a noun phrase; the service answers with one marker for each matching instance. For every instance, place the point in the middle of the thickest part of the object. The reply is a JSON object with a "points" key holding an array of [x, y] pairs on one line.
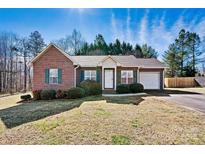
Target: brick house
{"points": [[54, 69]]}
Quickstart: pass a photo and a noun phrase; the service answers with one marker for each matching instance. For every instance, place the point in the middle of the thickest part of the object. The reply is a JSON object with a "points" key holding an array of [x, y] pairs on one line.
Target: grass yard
{"points": [[99, 120]]}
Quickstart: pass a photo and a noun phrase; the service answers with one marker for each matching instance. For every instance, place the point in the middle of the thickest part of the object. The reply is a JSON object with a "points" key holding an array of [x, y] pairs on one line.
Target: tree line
{"points": [[15, 55], [74, 44], [16, 52], [184, 54]]}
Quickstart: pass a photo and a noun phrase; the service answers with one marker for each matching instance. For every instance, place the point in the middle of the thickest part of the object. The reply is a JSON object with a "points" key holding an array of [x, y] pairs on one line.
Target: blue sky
{"points": [[156, 27]]}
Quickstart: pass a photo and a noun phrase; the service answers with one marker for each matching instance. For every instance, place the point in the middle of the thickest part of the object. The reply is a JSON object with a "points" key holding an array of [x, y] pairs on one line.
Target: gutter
{"points": [[75, 74]]}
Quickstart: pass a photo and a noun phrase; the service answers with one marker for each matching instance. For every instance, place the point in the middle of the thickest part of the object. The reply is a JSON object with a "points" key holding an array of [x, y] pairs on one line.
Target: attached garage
{"points": [[150, 80]]}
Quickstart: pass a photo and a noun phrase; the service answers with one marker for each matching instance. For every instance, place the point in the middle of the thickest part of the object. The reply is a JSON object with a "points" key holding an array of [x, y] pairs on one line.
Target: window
{"points": [[127, 77], [53, 76], [90, 75]]}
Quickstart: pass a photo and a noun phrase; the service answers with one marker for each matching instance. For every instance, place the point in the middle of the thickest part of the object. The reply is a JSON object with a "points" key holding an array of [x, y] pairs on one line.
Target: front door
{"points": [[109, 78]]}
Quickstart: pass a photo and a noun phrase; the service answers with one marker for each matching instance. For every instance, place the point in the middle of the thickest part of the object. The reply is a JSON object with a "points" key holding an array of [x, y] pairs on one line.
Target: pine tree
{"points": [[171, 58], [148, 51], [36, 43], [181, 43], [194, 51]]}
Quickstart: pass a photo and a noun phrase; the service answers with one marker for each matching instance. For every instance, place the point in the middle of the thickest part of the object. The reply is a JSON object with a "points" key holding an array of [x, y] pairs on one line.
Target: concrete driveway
{"points": [[191, 101]]}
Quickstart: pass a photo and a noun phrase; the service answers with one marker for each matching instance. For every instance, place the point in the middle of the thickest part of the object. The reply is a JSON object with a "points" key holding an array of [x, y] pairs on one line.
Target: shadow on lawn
{"points": [[35, 110]]}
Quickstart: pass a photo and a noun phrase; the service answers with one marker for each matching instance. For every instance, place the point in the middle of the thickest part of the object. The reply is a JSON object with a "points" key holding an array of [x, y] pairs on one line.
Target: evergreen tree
{"points": [[181, 43], [193, 51], [148, 51], [100, 45], [84, 49], [117, 47], [171, 58], [137, 51], [36, 43]]}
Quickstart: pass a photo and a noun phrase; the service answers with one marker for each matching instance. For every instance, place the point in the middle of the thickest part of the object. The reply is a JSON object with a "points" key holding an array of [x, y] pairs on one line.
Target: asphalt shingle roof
{"points": [[124, 60]]}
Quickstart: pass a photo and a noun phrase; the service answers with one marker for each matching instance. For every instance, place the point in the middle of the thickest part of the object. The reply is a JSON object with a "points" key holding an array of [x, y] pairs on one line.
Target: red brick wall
{"points": [[53, 59]]}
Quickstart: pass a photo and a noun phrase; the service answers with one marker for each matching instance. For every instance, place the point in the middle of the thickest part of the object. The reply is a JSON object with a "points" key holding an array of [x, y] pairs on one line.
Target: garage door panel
{"points": [[150, 80]]}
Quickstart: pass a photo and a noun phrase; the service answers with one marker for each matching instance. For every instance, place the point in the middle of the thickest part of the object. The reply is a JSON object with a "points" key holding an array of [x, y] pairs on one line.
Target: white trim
{"points": [[44, 51], [90, 74], [75, 75], [163, 80], [102, 78], [126, 78], [146, 67], [115, 78], [107, 57], [49, 71]]}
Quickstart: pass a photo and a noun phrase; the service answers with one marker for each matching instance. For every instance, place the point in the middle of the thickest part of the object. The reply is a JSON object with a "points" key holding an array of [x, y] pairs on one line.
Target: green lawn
{"points": [[99, 120]]}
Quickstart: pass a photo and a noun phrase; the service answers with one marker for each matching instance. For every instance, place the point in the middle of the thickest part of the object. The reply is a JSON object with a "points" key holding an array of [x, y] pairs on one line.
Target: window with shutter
{"points": [[53, 76]]}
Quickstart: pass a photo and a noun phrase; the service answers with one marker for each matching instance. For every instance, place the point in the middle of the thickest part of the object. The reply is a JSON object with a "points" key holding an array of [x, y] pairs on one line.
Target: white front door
{"points": [[109, 78]]}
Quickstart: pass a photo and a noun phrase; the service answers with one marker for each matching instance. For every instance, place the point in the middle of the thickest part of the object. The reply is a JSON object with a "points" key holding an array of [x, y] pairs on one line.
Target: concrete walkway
{"points": [[191, 101], [120, 95]]}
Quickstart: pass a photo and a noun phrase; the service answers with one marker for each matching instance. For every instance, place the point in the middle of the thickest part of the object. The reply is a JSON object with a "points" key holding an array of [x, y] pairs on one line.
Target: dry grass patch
{"points": [[101, 120]]}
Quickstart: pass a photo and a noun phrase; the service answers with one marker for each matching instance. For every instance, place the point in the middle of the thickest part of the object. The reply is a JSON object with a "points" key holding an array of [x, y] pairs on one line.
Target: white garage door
{"points": [[150, 80]]}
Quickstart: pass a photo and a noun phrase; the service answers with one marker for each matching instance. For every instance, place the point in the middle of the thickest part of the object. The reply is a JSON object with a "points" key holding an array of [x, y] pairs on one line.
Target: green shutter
{"points": [[98, 75], [135, 76], [47, 76], [59, 75], [81, 75], [118, 77]]}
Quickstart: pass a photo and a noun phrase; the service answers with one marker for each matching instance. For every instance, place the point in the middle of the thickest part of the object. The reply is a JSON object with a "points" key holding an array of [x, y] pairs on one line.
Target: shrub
{"points": [[91, 87], [36, 94], [26, 97], [48, 94], [60, 94], [123, 88], [136, 87], [75, 93]]}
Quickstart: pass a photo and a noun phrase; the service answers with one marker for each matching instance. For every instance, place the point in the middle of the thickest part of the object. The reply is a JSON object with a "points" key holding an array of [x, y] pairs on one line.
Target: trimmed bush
{"points": [[26, 97], [136, 88], [123, 88], [60, 94], [48, 94], [75, 93], [91, 87], [36, 94]]}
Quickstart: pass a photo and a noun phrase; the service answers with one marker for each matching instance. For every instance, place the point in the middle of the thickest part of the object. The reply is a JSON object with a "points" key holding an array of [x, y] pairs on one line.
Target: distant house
{"points": [[54, 69]]}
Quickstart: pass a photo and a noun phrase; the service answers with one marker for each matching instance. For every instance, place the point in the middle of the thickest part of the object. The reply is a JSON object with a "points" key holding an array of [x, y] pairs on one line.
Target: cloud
{"points": [[116, 28], [128, 33], [143, 31], [154, 29]]}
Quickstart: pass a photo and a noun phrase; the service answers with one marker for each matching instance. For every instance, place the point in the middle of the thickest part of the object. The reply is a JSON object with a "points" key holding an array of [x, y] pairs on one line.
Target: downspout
{"points": [[75, 74]]}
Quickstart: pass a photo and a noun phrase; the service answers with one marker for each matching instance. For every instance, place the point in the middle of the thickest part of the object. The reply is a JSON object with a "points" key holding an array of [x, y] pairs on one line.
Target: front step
{"points": [[109, 91]]}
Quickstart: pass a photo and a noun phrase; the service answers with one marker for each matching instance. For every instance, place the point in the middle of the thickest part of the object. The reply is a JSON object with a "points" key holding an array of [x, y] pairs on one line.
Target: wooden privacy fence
{"points": [[180, 82]]}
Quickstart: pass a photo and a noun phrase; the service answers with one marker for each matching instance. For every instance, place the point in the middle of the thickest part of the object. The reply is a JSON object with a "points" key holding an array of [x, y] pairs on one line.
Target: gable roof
{"points": [[93, 61], [124, 61], [46, 49], [109, 57]]}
